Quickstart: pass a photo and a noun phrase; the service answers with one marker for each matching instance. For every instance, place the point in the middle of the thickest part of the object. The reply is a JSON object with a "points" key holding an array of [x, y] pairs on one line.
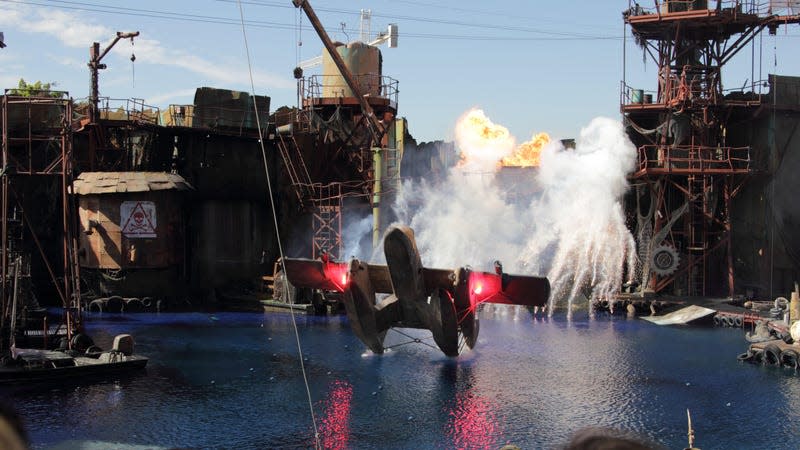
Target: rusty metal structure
{"points": [[37, 233], [693, 157], [132, 222], [336, 143]]}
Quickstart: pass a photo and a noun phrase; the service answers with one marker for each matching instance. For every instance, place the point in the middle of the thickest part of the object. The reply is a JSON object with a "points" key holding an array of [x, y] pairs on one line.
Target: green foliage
{"points": [[37, 89]]}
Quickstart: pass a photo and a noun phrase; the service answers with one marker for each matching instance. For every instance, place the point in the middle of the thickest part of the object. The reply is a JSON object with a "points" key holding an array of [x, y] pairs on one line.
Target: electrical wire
{"points": [[275, 223], [541, 35], [432, 20]]}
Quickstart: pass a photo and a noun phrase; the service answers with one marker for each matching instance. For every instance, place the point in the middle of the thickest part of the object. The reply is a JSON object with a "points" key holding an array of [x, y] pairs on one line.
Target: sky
{"points": [[532, 66]]}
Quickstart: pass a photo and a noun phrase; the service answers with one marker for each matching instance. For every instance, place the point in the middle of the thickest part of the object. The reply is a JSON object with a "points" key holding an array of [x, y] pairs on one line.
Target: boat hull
{"points": [[24, 375]]}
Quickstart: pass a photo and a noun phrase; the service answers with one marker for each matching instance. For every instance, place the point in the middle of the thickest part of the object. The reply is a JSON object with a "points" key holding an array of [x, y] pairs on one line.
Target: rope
{"points": [[275, 223]]}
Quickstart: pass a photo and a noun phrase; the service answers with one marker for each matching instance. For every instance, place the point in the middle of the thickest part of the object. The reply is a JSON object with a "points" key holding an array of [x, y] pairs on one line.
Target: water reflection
{"points": [[335, 419], [532, 380]]}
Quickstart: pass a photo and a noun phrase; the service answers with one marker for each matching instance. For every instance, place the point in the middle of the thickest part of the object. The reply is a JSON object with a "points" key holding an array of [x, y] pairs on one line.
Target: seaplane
{"points": [[444, 301]]}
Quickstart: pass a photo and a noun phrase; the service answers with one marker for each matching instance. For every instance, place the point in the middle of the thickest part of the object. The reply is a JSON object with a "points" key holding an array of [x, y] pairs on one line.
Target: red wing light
{"points": [[337, 275], [483, 285]]}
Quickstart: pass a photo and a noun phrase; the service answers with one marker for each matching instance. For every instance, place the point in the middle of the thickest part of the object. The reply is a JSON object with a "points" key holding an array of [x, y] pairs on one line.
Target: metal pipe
{"points": [[377, 164], [13, 331], [729, 232]]}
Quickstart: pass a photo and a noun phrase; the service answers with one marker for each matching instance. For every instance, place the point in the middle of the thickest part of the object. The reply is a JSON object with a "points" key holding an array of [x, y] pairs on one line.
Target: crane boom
{"points": [[373, 124]]}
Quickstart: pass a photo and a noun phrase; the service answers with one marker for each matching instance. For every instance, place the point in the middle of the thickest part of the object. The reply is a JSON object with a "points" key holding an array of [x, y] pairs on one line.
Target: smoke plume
{"points": [[563, 219]]}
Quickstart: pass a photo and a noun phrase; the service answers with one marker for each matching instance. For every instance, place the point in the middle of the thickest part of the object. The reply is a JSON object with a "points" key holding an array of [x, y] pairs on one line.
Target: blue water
{"points": [[233, 380]]}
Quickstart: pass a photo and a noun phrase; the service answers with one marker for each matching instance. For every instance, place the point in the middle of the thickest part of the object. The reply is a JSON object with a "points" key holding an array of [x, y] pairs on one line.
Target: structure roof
{"points": [[116, 182]]}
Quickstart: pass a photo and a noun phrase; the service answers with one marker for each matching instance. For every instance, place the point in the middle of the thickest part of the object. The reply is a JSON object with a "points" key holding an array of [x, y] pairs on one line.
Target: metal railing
{"points": [[324, 86], [132, 109], [749, 92], [694, 159], [757, 7]]}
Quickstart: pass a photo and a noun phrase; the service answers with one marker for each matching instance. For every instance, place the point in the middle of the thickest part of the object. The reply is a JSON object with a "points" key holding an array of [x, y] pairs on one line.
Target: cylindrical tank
{"points": [[364, 62]]}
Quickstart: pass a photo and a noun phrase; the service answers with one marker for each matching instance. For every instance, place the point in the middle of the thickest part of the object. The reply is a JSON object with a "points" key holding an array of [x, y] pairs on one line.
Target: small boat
{"points": [[40, 365]]}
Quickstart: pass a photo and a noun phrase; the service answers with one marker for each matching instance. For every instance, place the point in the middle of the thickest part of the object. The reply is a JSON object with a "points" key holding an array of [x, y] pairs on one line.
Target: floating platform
{"points": [[683, 316], [274, 305]]}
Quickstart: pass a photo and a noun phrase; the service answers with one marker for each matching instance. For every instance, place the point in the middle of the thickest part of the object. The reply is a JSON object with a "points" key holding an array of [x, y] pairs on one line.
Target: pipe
{"points": [[377, 165]]}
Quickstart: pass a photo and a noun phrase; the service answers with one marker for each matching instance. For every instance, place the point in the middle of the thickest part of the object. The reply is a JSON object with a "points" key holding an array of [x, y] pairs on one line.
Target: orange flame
{"points": [[479, 139], [528, 153], [485, 128]]}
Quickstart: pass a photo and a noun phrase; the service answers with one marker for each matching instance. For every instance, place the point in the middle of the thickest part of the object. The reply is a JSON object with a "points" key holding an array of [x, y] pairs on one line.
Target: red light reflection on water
{"points": [[472, 423], [334, 427]]}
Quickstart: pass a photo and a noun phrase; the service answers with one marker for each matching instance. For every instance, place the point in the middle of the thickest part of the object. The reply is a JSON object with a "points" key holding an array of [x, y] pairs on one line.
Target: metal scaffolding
{"points": [[689, 165], [36, 146]]}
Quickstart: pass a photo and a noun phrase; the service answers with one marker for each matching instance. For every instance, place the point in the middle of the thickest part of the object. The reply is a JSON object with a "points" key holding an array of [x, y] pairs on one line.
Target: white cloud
{"points": [[76, 31], [164, 98], [67, 61], [68, 28], [150, 51]]}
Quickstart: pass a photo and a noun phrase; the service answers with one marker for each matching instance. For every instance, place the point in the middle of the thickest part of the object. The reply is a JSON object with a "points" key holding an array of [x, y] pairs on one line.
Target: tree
{"points": [[37, 89]]}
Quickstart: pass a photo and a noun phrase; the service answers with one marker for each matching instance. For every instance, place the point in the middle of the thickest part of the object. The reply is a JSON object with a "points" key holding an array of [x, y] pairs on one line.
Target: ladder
{"points": [[327, 221], [697, 245], [295, 167]]}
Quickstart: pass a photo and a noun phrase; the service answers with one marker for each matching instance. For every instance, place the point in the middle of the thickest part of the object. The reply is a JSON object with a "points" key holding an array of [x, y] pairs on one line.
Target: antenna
{"points": [[366, 25], [389, 36]]}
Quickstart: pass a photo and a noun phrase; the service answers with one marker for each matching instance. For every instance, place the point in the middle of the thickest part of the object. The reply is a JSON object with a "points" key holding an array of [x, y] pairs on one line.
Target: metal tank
{"points": [[365, 63], [131, 232]]}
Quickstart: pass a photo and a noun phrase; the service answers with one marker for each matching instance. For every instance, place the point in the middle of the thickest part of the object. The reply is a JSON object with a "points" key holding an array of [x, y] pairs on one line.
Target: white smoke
{"points": [[353, 237], [571, 229]]}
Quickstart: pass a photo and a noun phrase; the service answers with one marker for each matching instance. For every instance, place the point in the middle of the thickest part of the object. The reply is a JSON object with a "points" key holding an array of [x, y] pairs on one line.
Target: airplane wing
{"points": [[440, 300], [483, 286], [316, 274], [510, 289]]}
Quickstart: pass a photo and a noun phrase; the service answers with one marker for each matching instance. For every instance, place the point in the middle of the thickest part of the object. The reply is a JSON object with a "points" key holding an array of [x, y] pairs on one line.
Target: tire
{"points": [[717, 320], [789, 358], [772, 355], [115, 304], [96, 306], [728, 321], [738, 321], [134, 305], [746, 356]]}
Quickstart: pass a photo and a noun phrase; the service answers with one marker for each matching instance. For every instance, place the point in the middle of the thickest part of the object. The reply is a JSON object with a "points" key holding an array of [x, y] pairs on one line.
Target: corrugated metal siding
{"points": [[111, 182]]}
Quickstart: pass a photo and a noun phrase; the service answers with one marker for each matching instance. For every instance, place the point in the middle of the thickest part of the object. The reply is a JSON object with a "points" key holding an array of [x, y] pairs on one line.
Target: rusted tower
{"points": [[692, 161], [336, 145], [37, 232]]}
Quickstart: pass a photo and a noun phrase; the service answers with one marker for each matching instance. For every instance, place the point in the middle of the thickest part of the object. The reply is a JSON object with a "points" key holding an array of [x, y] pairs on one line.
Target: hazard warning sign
{"points": [[138, 219]]}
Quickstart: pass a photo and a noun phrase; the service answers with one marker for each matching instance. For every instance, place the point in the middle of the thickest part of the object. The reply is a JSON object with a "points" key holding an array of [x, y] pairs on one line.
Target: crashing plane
{"points": [[442, 301]]}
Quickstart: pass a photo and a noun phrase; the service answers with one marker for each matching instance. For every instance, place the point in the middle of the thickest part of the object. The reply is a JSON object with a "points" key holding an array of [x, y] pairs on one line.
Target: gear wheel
{"points": [[664, 260]]}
